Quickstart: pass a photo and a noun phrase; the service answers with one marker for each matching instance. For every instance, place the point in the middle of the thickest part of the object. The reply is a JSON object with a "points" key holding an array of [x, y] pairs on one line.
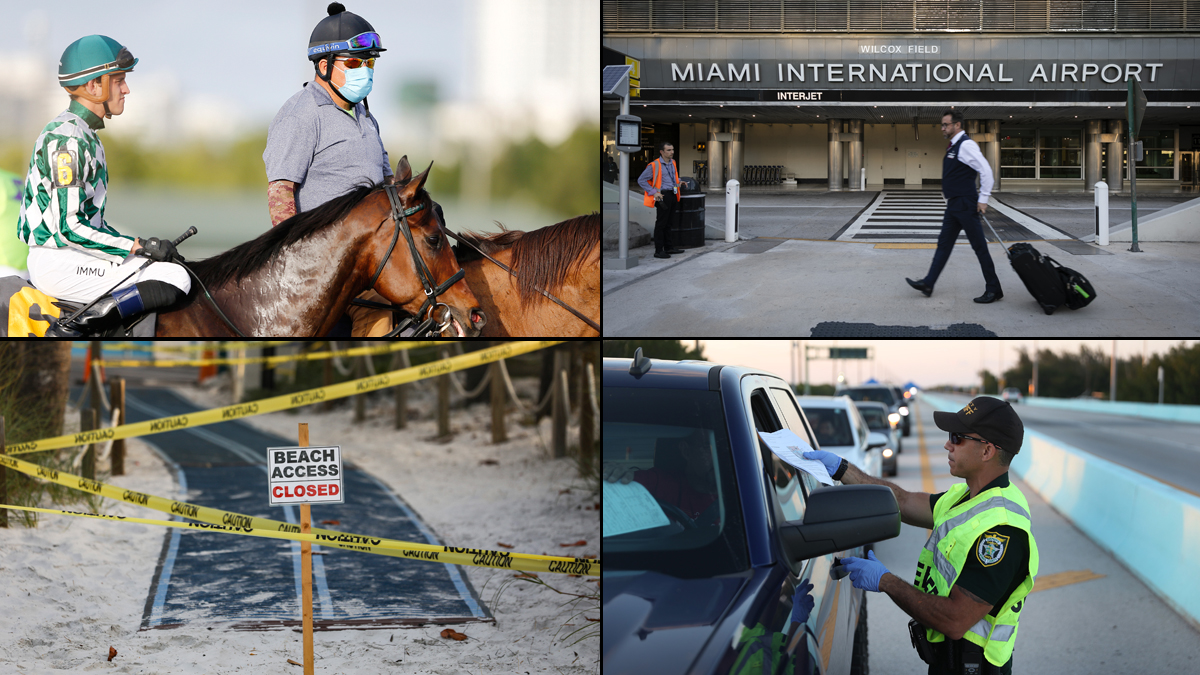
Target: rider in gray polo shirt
{"points": [[324, 141], [324, 149]]}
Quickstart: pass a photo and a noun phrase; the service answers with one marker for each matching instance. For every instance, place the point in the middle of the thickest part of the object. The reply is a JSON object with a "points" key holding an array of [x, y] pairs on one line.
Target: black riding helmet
{"points": [[342, 33]]}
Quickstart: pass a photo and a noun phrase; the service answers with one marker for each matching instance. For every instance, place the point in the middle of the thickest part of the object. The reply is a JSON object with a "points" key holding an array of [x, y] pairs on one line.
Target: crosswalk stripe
{"points": [[899, 217]]}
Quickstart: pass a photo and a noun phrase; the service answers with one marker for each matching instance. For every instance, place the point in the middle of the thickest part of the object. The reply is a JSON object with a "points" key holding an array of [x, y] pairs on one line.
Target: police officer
{"points": [[980, 560], [324, 141], [73, 253], [962, 164]]}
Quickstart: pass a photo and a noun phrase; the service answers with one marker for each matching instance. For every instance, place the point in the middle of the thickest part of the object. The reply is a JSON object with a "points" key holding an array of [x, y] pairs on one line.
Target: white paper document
{"points": [[790, 448], [629, 508]]}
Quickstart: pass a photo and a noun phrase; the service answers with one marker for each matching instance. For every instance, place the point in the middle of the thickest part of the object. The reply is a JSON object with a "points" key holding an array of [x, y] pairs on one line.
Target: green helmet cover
{"points": [[90, 57]]}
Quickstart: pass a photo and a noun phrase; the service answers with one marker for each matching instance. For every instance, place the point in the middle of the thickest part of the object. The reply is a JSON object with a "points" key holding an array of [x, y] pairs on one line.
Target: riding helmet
{"points": [[340, 26]]}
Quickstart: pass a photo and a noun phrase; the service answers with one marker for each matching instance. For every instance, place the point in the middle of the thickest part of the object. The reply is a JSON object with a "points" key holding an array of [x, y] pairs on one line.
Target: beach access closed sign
{"points": [[305, 475]]}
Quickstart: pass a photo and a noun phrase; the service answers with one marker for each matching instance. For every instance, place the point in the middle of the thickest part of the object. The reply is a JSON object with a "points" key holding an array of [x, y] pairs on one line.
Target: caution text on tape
{"points": [[277, 403], [354, 542], [451, 556]]}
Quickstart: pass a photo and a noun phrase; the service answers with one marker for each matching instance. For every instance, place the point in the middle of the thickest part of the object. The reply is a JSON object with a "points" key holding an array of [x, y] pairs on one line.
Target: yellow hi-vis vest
{"points": [[955, 529]]}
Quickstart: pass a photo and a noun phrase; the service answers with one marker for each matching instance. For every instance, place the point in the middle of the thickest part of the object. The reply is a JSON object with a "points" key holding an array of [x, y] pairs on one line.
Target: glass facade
{"points": [[1041, 153], [1018, 148], [1159, 154], [1060, 154]]}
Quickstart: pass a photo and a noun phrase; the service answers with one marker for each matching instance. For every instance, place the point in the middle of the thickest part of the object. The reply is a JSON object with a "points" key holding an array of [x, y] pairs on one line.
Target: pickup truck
{"points": [[720, 557]]}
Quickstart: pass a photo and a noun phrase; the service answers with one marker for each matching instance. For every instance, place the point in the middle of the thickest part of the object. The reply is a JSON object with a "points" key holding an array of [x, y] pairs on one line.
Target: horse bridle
{"points": [[428, 282], [550, 297]]}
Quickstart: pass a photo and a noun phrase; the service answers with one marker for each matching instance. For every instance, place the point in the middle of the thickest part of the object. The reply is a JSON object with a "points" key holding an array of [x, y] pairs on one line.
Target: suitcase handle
{"points": [[1006, 251]]}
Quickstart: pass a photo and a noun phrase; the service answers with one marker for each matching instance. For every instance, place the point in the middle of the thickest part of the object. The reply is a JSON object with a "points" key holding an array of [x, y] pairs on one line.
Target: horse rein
{"points": [[506, 268], [211, 301]]}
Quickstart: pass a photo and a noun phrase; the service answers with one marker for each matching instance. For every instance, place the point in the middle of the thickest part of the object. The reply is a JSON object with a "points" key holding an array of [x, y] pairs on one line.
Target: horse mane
{"points": [[542, 257], [250, 256]]}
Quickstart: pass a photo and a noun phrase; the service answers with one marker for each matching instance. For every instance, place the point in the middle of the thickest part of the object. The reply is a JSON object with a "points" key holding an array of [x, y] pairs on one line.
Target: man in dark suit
{"points": [[963, 162]]}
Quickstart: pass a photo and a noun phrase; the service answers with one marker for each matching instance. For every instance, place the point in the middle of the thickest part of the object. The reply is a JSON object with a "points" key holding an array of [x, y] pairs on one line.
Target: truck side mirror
{"points": [[840, 518]]}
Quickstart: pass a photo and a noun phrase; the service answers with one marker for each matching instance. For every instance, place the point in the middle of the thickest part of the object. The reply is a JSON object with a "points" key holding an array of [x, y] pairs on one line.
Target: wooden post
{"points": [[306, 570], [560, 406], [239, 377], [499, 400], [97, 355], [3, 479], [95, 382], [400, 359], [268, 370], [208, 371], [87, 422], [587, 417], [444, 403], [326, 380], [118, 447], [360, 400]]}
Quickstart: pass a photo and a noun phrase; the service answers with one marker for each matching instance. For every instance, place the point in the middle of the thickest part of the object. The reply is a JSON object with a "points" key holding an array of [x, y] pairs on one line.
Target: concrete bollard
{"points": [[864, 178], [732, 195], [1102, 213]]}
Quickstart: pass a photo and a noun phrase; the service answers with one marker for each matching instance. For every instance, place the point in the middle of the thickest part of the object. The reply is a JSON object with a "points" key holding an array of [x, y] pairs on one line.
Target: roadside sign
{"points": [[305, 475], [1136, 106], [629, 133]]}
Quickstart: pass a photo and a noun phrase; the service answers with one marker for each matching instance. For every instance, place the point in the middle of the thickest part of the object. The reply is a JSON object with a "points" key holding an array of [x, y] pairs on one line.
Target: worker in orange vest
{"points": [[660, 180]]}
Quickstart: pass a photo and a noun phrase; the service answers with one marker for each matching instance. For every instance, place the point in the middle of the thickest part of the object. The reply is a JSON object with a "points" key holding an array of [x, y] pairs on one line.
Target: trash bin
{"points": [[691, 214]]}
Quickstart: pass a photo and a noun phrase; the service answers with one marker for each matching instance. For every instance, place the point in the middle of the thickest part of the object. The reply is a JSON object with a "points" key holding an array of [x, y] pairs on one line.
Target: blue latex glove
{"points": [[865, 572], [803, 602], [831, 460]]}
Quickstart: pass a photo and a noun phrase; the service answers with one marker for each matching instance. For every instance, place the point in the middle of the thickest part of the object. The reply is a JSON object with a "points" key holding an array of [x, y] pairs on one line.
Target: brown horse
{"points": [[563, 259], [297, 279]]}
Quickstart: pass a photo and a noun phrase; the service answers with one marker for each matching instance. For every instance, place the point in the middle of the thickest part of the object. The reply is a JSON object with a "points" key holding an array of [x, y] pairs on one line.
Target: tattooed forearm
{"points": [[281, 200]]}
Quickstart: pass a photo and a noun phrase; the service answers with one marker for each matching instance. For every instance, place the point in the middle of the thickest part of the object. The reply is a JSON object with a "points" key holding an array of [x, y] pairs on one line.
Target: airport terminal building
{"points": [[816, 91]]}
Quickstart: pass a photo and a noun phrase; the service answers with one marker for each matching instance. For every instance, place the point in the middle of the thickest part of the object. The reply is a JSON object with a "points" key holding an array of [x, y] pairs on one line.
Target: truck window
{"points": [[785, 478]]}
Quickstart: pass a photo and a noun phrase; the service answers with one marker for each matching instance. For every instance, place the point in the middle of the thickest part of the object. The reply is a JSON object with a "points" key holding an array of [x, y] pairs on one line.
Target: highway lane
{"points": [[1166, 451]]}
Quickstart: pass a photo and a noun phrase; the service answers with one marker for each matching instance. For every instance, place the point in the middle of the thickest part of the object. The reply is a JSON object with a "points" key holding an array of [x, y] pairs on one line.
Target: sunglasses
{"points": [[956, 438], [360, 41], [357, 63]]}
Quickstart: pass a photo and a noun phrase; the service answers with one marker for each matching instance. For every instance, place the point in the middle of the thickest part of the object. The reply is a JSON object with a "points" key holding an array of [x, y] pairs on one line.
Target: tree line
{"points": [[1086, 374]]}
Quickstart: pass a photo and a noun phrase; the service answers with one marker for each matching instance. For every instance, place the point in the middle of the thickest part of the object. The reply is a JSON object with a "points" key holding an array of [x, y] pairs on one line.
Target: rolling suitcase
{"points": [[1050, 284]]}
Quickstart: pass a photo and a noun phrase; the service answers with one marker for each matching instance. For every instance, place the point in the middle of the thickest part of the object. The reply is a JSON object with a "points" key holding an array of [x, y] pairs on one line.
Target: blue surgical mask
{"points": [[358, 83]]}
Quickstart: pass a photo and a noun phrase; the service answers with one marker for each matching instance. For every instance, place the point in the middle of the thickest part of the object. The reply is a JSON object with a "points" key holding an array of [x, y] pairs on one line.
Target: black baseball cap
{"points": [[993, 419]]}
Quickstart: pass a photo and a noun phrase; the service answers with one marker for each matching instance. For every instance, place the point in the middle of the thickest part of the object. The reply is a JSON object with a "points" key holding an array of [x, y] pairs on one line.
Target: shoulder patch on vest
{"points": [[991, 548], [66, 169]]}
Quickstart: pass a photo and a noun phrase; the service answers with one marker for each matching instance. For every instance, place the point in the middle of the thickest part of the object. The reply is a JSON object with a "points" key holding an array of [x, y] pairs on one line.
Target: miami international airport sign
{"points": [[1050, 63]]}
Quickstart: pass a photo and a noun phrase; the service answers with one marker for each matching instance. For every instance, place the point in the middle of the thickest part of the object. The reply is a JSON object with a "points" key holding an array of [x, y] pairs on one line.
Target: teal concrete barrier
{"points": [[1151, 527], [1167, 411]]}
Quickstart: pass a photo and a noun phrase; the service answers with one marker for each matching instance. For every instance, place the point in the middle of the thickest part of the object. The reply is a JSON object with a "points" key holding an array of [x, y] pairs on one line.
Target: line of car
{"points": [[719, 554]]}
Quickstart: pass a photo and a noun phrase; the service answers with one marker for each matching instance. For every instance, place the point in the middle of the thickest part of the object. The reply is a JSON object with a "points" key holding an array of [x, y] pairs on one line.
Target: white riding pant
{"points": [[72, 275]]}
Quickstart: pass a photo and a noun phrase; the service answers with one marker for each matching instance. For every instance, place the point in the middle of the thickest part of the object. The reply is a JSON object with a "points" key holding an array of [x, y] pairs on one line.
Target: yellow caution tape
{"points": [[447, 555], [355, 542], [159, 347], [277, 403], [272, 360]]}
